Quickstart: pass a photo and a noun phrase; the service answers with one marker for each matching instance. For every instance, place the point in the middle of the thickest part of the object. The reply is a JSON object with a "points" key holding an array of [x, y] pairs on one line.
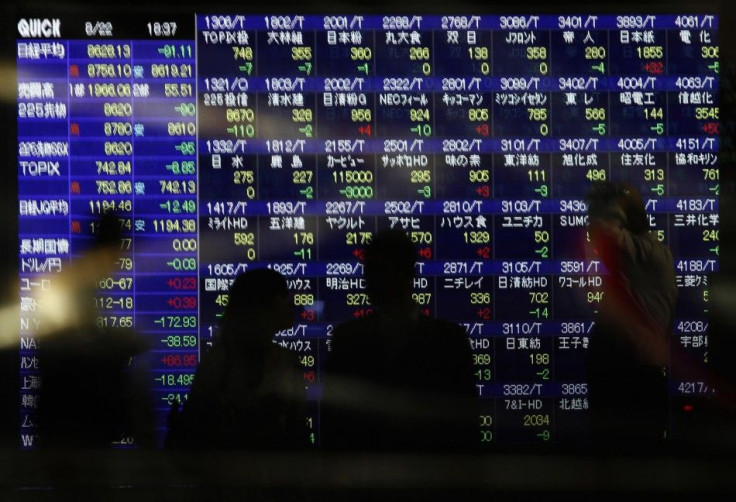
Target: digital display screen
{"points": [[226, 142]]}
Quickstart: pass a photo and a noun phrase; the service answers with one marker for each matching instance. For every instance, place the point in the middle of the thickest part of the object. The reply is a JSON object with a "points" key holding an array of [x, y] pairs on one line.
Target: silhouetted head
{"points": [[258, 304], [106, 245], [107, 234], [389, 269], [619, 201]]}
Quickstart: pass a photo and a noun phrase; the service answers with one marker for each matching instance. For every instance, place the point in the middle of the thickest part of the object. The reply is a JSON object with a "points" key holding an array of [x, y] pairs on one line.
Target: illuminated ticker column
{"points": [[228, 161], [132, 128], [288, 173], [43, 207], [664, 145], [346, 169], [693, 179], [101, 141], [346, 165], [464, 241], [165, 213], [290, 179], [523, 234], [581, 123], [639, 111], [101, 172], [405, 166]]}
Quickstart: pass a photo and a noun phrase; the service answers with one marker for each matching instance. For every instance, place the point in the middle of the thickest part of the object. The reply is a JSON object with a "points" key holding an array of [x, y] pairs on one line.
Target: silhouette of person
{"points": [[248, 392], [88, 395], [629, 347], [396, 379]]}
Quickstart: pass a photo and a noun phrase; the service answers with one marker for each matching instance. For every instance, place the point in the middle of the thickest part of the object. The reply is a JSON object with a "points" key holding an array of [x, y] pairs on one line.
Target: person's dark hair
{"points": [[252, 292], [618, 199], [390, 248], [389, 262]]}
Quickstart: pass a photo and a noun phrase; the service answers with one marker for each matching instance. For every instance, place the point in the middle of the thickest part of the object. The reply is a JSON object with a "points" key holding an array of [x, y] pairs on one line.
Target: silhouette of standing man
{"points": [[396, 379], [629, 350], [248, 393]]}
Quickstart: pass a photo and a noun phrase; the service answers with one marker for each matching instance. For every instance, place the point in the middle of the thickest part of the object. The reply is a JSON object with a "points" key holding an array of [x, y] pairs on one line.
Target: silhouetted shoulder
{"points": [[352, 341], [446, 344], [405, 384], [370, 323], [363, 331], [209, 375], [357, 325], [355, 329], [443, 328]]}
